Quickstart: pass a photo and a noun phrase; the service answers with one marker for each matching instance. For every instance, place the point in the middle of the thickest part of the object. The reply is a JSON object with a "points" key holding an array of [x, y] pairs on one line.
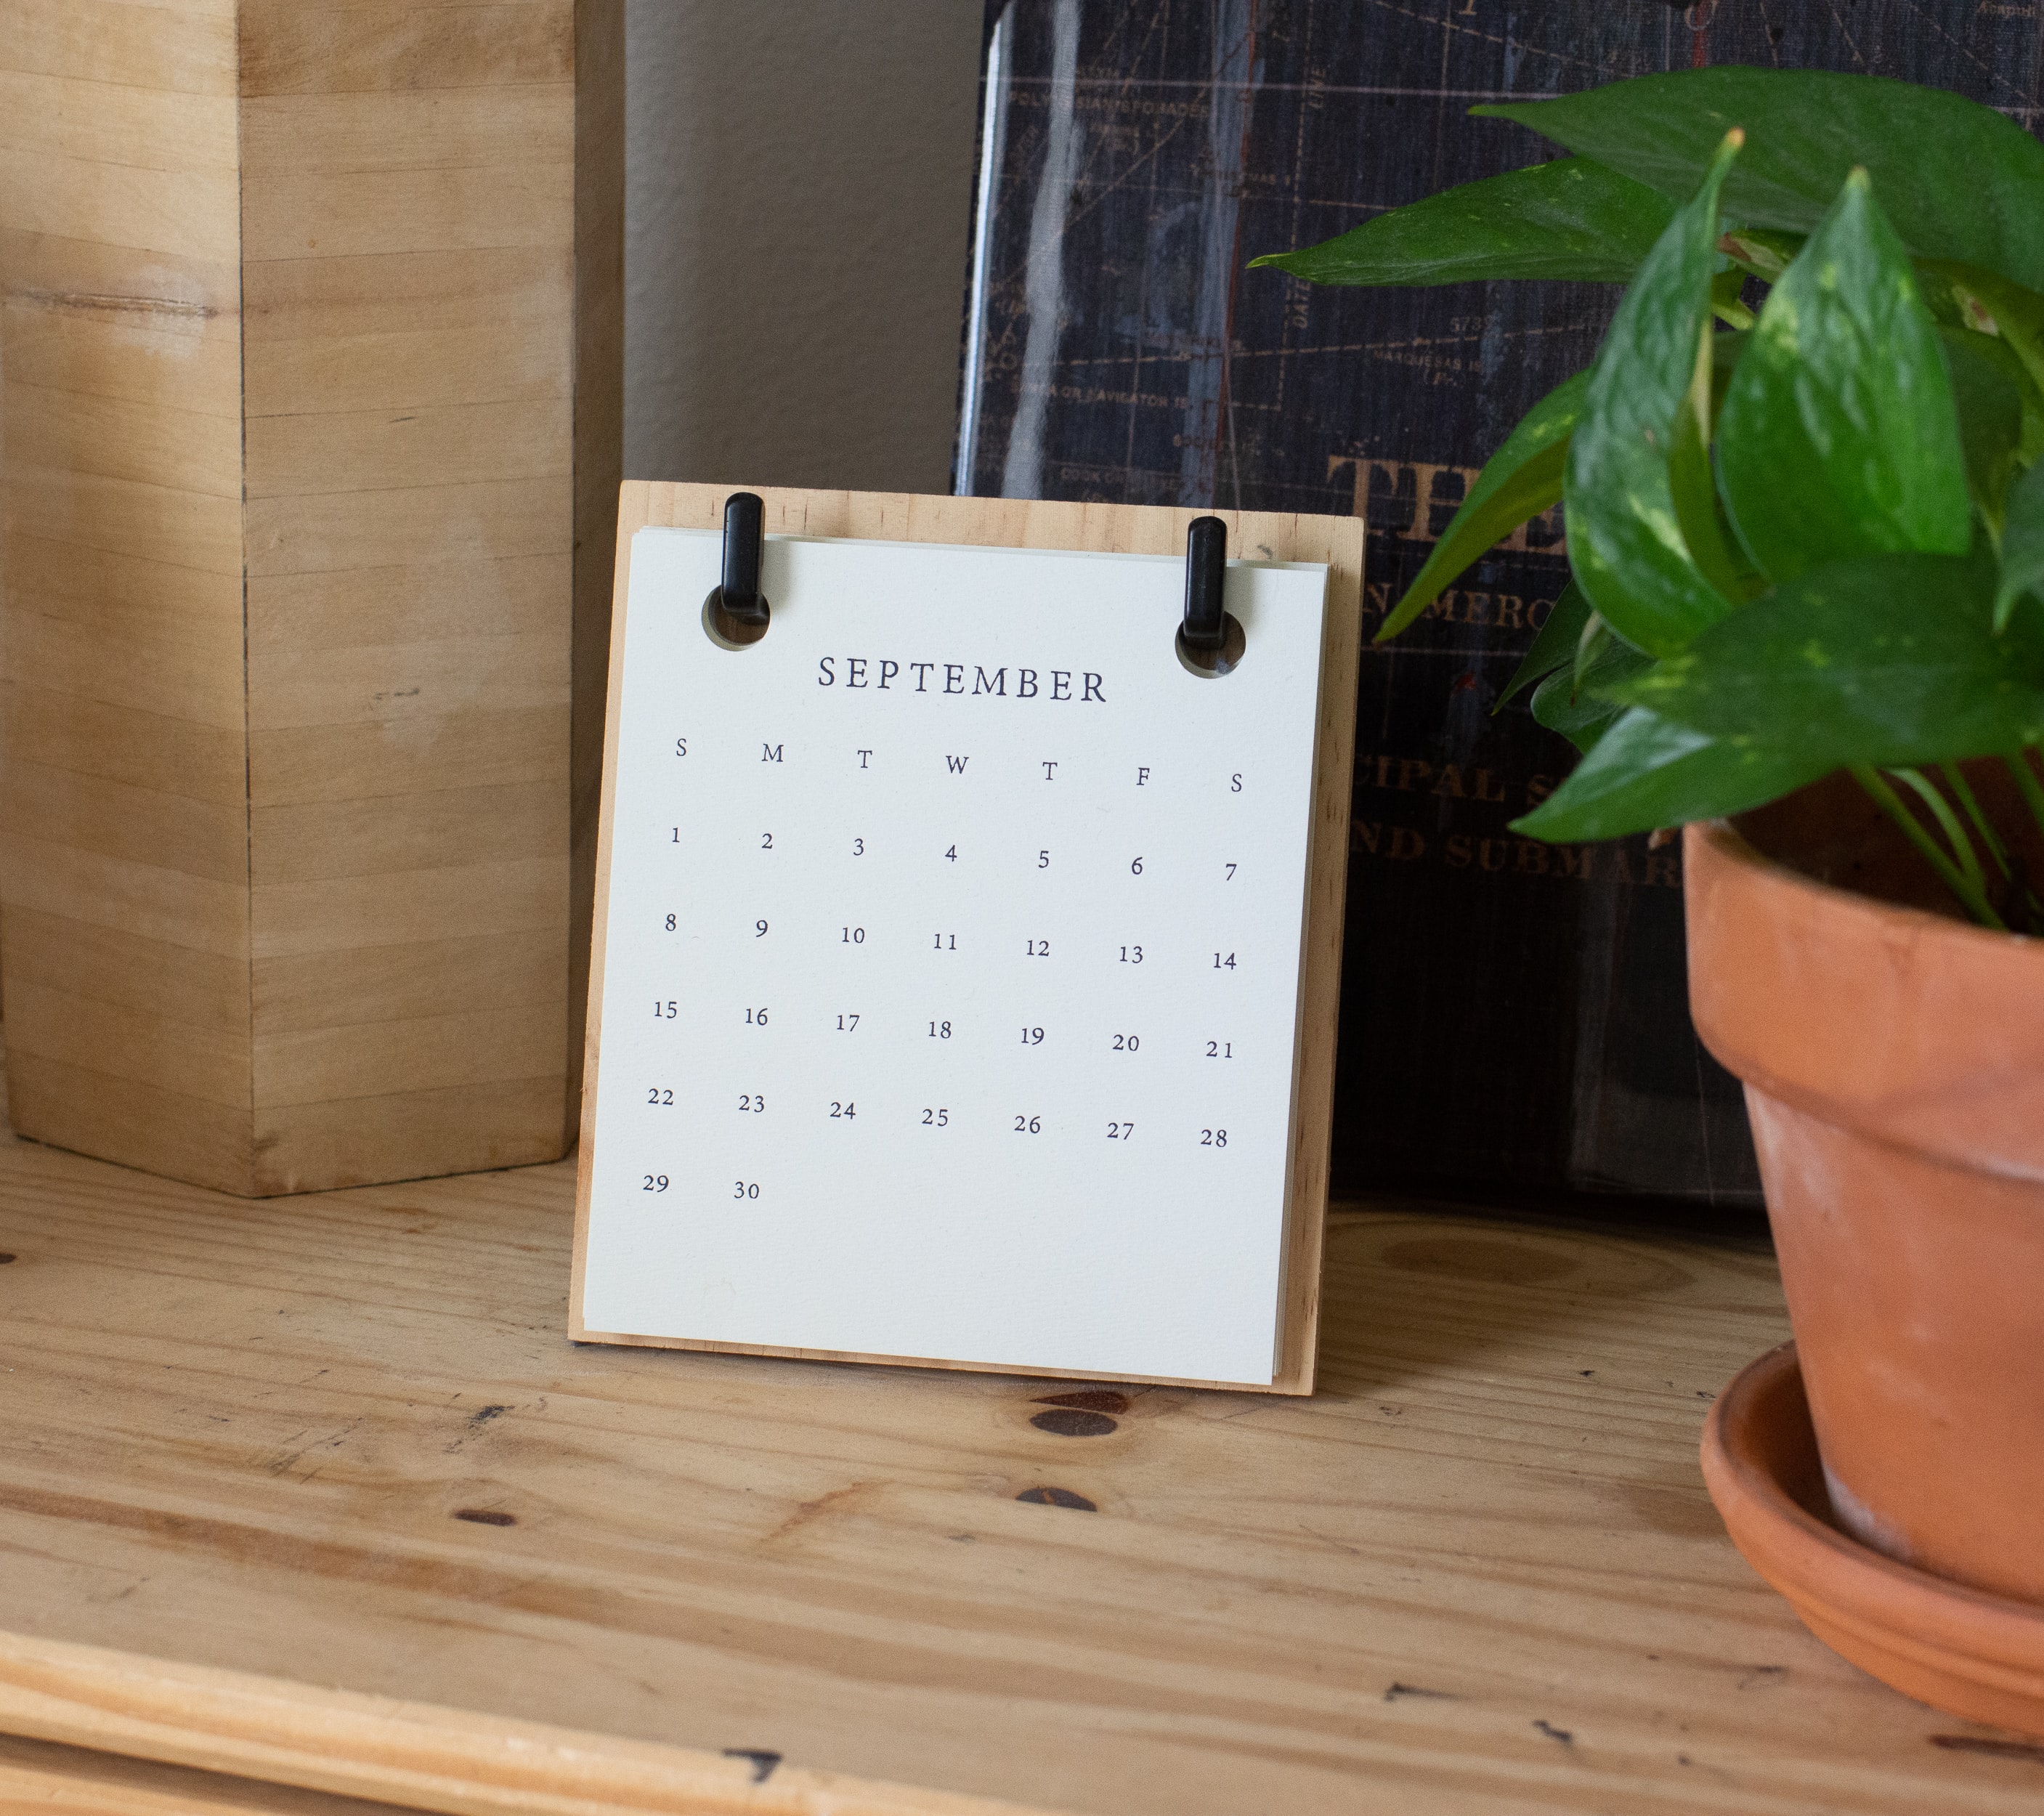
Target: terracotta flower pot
{"points": [[1894, 1066]]}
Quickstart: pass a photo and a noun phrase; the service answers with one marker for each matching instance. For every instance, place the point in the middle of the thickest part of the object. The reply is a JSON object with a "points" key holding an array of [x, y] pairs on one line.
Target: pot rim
{"points": [[1735, 848]]}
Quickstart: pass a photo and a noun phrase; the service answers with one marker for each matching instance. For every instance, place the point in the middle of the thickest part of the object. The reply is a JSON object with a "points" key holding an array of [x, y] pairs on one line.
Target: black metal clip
{"points": [[744, 530], [1206, 573]]}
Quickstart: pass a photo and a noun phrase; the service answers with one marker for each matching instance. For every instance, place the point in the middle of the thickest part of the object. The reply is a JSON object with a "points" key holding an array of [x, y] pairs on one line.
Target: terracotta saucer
{"points": [[1959, 1649]]}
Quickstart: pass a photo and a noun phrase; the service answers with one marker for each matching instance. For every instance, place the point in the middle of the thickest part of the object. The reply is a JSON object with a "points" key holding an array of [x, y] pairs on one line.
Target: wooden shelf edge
{"points": [[419, 1755]]}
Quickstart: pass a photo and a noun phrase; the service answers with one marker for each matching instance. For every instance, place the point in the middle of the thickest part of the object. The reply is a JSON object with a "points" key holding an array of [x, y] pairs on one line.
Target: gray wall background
{"points": [[797, 212]]}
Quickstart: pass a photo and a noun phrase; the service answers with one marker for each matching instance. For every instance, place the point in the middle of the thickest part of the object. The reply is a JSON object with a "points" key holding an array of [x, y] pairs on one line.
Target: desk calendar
{"points": [[964, 982]]}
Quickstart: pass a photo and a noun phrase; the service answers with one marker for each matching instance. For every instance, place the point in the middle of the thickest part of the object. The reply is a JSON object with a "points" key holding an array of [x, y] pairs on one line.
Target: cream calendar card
{"points": [[967, 944]]}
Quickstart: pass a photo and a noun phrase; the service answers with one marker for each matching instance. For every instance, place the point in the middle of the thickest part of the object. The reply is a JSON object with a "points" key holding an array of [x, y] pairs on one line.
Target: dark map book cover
{"points": [[1513, 1014]]}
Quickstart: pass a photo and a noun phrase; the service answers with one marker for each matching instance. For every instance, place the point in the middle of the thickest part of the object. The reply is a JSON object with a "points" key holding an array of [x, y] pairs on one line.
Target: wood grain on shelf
{"points": [[303, 394], [38, 1778], [316, 1489]]}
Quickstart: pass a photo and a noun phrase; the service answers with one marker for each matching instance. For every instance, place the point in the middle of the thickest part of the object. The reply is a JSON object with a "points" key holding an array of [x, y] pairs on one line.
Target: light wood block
{"points": [[310, 418], [318, 1492]]}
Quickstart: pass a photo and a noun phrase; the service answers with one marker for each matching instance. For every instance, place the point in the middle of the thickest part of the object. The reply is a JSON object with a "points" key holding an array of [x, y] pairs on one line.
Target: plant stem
{"points": [[2026, 779], [1948, 822], [1955, 781], [1971, 896]]}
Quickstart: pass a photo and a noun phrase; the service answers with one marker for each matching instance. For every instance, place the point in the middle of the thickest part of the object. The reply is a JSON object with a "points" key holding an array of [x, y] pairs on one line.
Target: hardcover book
{"points": [[1514, 1015]]}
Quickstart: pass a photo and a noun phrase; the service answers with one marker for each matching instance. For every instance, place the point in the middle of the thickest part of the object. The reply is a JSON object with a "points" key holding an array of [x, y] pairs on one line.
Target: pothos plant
{"points": [[1804, 537]]}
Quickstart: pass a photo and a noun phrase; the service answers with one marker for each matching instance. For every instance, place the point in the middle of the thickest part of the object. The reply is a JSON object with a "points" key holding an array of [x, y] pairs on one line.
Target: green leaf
{"points": [[1571, 701], [1555, 646], [1886, 659], [1568, 219], [1625, 540], [1958, 180], [1727, 347], [1838, 435], [1989, 388], [1521, 480], [1765, 254], [1580, 718], [1964, 296], [1726, 303], [1647, 772], [1597, 638], [2022, 545], [1692, 485]]}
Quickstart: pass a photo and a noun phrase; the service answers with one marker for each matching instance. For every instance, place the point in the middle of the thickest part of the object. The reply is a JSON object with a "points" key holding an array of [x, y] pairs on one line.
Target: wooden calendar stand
{"points": [[1335, 542]]}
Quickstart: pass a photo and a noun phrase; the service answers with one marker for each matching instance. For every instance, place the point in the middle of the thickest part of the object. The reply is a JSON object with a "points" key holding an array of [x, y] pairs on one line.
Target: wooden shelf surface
{"points": [[316, 1490]]}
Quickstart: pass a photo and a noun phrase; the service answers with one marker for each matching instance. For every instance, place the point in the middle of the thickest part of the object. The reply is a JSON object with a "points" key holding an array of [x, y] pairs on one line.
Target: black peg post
{"points": [[744, 527], [1206, 571]]}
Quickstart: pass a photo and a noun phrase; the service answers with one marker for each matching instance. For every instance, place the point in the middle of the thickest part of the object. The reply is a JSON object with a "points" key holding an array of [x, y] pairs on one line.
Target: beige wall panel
{"points": [[117, 438], [299, 47], [192, 674], [409, 1136], [173, 981], [345, 135], [177, 526], [146, 900], [186, 49], [192, 1058], [144, 826], [302, 454], [520, 597], [125, 127], [370, 683], [401, 983], [96, 348], [130, 1123], [146, 750], [373, 1059], [386, 212], [392, 833], [119, 595], [526, 896], [196, 212], [348, 763], [397, 528]]}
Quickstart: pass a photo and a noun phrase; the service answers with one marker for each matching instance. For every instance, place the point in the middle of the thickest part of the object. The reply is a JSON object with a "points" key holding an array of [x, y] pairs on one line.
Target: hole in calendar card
{"points": [[728, 632], [1210, 665]]}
